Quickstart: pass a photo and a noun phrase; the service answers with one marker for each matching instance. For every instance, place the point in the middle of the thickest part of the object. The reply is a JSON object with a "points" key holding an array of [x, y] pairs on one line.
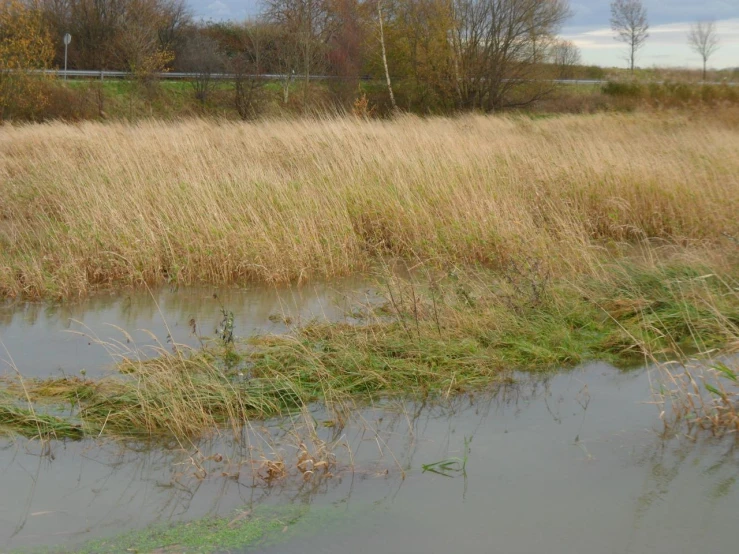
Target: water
{"points": [[571, 462], [51, 340]]}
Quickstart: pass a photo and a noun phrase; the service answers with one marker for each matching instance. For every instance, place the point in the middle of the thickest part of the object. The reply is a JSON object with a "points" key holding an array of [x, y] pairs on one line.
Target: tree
{"points": [[629, 21], [565, 56], [703, 40], [287, 59], [174, 19], [496, 49], [95, 25], [311, 24], [116, 34], [246, 63], [200, 55], [384, 57], [137, 43], [420, 32], [247, 86], [344, 54], [25, 45]]}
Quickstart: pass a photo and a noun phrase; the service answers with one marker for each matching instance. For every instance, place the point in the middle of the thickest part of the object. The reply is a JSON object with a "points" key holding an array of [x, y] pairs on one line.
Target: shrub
{"points": [[623, 90], [595, 72]]}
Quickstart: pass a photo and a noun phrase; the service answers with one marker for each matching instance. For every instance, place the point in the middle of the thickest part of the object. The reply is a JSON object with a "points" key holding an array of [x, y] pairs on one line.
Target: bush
{"points": [[623, 90], [25, 45], [595, 72], [70, 104]]}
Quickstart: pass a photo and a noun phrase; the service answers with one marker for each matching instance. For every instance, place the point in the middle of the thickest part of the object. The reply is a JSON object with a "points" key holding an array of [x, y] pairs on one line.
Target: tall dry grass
{"points": [[90, 205]]}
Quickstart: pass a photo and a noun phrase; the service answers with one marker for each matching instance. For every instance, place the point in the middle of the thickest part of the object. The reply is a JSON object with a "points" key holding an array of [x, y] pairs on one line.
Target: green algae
{"points": [[244, 529]]}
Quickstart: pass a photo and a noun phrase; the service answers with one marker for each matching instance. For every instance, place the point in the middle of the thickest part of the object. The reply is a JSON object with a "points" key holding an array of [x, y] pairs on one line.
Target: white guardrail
{"points": [[178, 75], [174, 75]]}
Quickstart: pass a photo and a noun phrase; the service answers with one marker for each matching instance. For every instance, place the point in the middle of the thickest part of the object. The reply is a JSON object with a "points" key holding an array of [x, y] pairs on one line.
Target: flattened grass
{"points": [[29, 423]]}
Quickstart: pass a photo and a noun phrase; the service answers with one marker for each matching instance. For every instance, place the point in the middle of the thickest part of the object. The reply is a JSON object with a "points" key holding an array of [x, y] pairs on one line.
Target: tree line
{"points": [[434, 54], [429, 55]]}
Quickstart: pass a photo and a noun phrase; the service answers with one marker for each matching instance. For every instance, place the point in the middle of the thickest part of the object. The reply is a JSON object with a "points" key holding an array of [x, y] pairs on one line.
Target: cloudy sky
{"points": [[589, 28]]}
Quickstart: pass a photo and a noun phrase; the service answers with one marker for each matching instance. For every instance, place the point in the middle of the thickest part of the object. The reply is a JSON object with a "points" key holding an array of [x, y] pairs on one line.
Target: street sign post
{"points": [[67, 40]]}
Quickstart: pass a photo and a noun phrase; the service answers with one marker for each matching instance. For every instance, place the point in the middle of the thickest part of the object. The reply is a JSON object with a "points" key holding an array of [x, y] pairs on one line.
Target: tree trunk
{"points": [[286, 88], [307, 53], [384, 59]]}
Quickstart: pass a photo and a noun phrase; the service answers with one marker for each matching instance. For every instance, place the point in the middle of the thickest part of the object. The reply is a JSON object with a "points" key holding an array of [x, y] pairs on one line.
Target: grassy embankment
{"points": [[535, 244], [131, 100]]}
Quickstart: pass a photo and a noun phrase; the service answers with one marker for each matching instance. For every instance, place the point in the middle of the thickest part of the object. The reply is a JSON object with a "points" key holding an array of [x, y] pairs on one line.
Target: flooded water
{"points": [[567, 463], [570, 462], [573, 465], [50, 340]]}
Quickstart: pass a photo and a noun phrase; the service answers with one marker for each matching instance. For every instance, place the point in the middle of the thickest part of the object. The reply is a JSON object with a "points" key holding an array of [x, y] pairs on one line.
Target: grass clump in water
{"points": [[29, 423], [704, 397]]}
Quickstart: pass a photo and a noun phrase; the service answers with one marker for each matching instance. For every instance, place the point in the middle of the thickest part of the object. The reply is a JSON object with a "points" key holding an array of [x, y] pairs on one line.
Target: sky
{"points": [[589, 28]]}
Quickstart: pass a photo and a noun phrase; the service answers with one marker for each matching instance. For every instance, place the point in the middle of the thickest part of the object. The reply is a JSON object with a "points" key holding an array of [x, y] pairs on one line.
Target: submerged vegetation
{"points": [[452, 333], [704, 397], [242, 529]]}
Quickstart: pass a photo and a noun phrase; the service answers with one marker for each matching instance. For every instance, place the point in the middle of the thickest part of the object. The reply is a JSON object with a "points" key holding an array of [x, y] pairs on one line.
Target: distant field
{"points": [[107, 205]]}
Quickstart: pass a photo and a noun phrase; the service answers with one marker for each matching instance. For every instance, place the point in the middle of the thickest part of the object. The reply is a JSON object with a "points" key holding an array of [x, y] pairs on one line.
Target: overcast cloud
{"points": [[589, 28]]}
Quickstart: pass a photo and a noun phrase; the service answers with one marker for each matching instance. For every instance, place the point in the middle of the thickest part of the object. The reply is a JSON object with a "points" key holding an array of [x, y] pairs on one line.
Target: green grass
{"points": [[163, 99], [31, 424]]}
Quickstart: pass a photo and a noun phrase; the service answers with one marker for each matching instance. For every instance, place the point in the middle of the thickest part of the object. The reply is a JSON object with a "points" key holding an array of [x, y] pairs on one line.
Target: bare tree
{"points": [[95, 25], [497, 50], [310, 24], [287, 60], [565, 56], [200, 56], [246, 67], [136, 45], [247, 86], [174, 20], [629, 20], [345, 49], [703, 39], [115, 34]]}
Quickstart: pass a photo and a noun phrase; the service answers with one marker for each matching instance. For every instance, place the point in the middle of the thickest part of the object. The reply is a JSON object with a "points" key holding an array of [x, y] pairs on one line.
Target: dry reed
{"points": [[100, 205]]}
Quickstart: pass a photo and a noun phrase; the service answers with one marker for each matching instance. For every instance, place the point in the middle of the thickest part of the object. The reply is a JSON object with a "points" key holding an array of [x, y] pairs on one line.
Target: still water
{"points": [[51, 340], [574, 462]]}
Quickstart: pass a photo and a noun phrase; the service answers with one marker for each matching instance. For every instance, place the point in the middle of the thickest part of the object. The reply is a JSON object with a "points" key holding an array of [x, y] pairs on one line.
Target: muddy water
{"points": [[50, 340], [574, 465], [572, 462], [567, 463]]}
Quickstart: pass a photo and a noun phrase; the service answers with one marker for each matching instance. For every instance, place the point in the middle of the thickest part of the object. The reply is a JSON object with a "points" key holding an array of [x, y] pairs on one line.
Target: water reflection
{"points": [[564, 463], [34, 333]]}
